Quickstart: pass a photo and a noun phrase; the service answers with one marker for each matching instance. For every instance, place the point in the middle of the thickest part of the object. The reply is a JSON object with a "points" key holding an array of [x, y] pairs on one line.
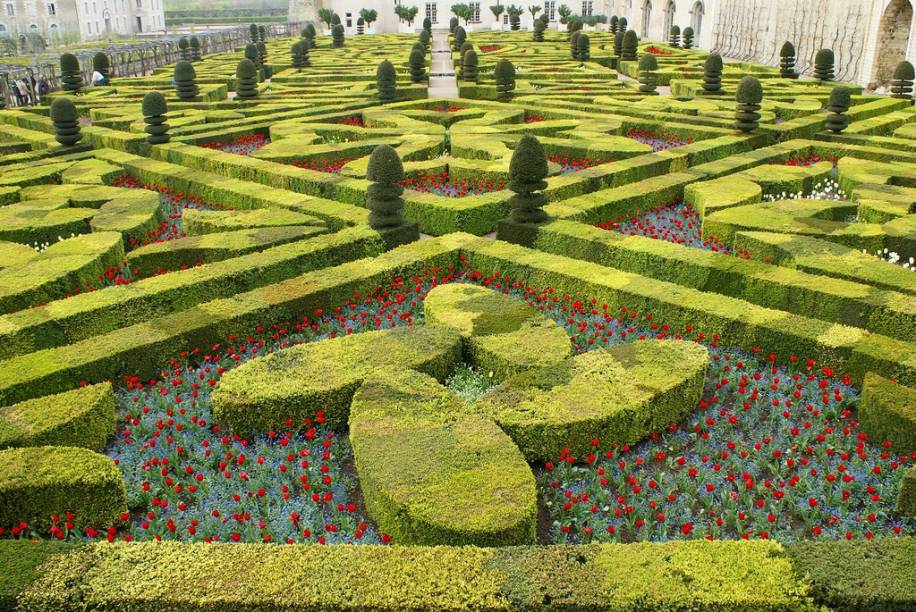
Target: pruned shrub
{"points": [[386, 81], [418, 63], [154, 114], [527, 171], [66, 122], [195, 48], [504, 74], [688, 38], [902, 83], [837, 106], [787, 61], [469, 66], [583, 48], [246, 80], [823, 65], [102, 65], [71, 75], [337, 36], [538, 33], [184, 49], [628, 47], [748, 96], [185, 81], [674, 36], [712, 75], [648, 79], [383, 196]]}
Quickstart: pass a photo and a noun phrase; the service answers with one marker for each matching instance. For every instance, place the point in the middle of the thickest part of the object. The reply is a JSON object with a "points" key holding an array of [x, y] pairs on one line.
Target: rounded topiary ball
{"points": [[630, 43], [154, 104], [185, 85], [750, 91], [65, 118], [385, 166], [748, 96]]}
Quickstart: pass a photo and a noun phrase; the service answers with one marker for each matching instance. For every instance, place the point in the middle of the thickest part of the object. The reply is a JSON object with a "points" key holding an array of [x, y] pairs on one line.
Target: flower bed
{"points": [[354, 120], [533, 118], [656, 51], [443, 185], [490, 48], [658, 142], [676, 222], [240, 145], [331, 167], [570, 164], [174, 203]]}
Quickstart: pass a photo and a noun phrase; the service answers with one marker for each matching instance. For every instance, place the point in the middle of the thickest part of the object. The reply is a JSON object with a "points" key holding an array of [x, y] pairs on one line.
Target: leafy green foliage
{"points": [[386, 81], [527, 171], [824, 65], [688, 37], [71, 75], [749, 95], [154, 114], [648, 78], [674, 36], [504, 74], [383, 197], [837, 106], [902, 83], [712, 75], [246, 80], [628, 46]]}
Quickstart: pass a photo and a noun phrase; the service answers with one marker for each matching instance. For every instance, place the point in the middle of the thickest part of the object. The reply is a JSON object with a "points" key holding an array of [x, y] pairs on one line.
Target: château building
{"points": [[80, 19]]}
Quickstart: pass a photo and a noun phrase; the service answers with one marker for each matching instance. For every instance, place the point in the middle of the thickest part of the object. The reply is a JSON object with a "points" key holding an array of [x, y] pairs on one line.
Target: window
{"points": [[431, 12], [10, 10], [505, 18], [586, 7], [139, 5], [475, 12], [349, 17], [85, 7], [2, 30], [550, 9], [52, 10]]}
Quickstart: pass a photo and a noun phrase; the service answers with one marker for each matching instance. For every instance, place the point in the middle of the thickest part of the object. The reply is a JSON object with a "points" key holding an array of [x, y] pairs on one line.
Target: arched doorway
{"points": [[894, 34], [669, 18], [696, 20], [646, 15]]}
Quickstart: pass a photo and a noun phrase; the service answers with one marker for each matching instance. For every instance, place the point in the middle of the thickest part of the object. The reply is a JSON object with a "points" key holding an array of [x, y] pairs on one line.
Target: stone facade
{"points": [[80, 19]]}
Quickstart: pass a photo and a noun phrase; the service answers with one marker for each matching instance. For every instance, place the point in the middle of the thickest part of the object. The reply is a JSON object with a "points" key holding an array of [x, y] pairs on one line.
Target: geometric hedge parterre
{"points": [[694, 381]]}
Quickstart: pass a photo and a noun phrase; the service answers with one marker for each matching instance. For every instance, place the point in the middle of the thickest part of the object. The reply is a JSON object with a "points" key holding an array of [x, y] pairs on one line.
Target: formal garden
{"points": [[622, 326]]}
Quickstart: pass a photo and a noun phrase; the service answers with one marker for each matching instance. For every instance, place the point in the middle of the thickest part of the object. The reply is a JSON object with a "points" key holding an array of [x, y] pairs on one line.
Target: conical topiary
{"points": [[622, 25], [574, 44], [299, 54], [648, 79], [360, 26], [515, 21], [71, 75], [527, 172], [902, 83], [628, 49], [154, 114], [418, 63], [748, 97], [427, 25], [101, 65], [460, 37], [469, 66], [195, 48], [262, 53], [335, 20], [185, 81], [309, 33], [674, 36], [337, 36], [425, 38], [452, 24], [688, 37], [787, 61], [618, 43], [504, 74], [383, 196], [66, 122], [583, 46], [823, 65], [712, 75], [538, 33], [465, 47], [613, 24], [246, 80], [184, 49], [253, 32], [262, 33], [386, 81], [837, 119], [251, 54]]}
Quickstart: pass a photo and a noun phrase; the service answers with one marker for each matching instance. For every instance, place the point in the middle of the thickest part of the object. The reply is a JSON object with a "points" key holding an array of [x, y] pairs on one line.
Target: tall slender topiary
{"points": [[185, 81], [583, 46], [154, 114], [574, 44], [246, 80], [417, 64], [262, 53], [469, 66], [622, 25], [383, 196], [309, 33], [298, 52], [102, 65], [504, 74], [837, 119], [618, 43], [386, 81], [251, 54], [452, 24], [262, 33], [195, 48], [71, 75], [515, 21], [648, 79], [674, 36], [538, 33], [712, 75], [823, 65], [427, 25], [253, 32], [613, 24], [360, 26], [787, 61], [748, 97], [184, 49], [902, 83], [628, 48], [460, 37], [527, 171], [425, 38], [337, 36], [66, 122], [688, 37]]}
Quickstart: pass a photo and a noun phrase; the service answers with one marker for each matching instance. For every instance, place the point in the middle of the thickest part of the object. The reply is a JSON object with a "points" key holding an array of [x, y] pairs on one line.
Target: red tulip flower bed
{"points": [[446, 108], [333, 167], [676, 222], [443, 185], [354, 120], [490, 48], [534, 118], [658, 142], [810, 160], [175, 204], [570, 164], [241, 145], [657, 51]]}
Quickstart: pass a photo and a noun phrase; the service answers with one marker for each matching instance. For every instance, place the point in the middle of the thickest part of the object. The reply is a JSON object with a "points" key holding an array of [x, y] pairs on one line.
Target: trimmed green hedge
{"points": [[154, 577], [197, 222], [82, 417], [20, 560], [40, 481], [887, 411], [906, 497]]}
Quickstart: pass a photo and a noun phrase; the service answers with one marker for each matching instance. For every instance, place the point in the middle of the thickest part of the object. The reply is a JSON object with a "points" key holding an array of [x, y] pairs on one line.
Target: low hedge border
{"points": [[887, 411], [21, 560]]}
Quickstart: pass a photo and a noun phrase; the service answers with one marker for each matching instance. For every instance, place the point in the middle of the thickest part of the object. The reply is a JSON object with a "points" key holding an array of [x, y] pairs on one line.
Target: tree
{"points": [[574, 23], [337, 36], [184, 49], [326, 16], [185, 81], [837, 119], [688, 37], [386, 81], [628, 48], [253, 32], [613, 24], [515, 17], [418, 63], [383, 196], [469, 66], [902, 83], [66, 122], [674, 38], [460, 37], [71, 75], [539, 28], [748, 97], [154, 114], [299, 53], [497, 10], [712, 75], [101, 65], [463, 11], [648, 79], [246, 80], [787, 61], [618, 43], [370, 16], [465, 47], [406, 13], [504, 74], [823, 65], [574, 44], [195, 49], [564, 12], [583, 51], [527, 171], [309, 34], [534, 9]]}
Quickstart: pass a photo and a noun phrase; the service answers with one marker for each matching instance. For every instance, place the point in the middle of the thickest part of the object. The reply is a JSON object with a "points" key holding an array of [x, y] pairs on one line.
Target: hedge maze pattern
{"points": [[191, 286]]}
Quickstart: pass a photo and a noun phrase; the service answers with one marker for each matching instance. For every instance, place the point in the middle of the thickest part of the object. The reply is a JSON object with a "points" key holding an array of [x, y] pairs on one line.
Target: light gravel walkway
{"points": [[442, 82]]}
